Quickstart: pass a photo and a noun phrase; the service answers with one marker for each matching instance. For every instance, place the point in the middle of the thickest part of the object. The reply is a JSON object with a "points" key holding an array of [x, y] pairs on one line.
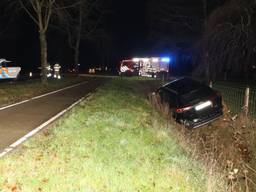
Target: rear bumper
{"points": [[200, 122]]}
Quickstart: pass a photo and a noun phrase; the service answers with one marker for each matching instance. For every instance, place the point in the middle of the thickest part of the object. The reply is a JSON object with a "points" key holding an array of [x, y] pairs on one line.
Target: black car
{"points": [[192, 103]]}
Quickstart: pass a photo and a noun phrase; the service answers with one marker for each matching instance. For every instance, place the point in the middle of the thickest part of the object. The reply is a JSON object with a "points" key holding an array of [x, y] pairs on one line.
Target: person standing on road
{"points": [[48, 70], [57, 71]]}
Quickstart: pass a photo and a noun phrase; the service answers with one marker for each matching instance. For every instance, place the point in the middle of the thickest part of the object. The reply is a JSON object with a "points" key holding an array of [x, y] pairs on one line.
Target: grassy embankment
{"points": [[113, 141], [235, 135], [11, 92], [227, 146]]}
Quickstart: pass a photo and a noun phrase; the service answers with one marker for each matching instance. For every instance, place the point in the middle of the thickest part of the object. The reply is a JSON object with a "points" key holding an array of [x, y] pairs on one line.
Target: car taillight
{"points": [[181, 110]]}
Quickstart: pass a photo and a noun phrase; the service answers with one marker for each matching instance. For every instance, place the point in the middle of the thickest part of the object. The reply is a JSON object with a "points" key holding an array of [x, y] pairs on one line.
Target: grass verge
{"points": [[231, 144], [226, 147], [113, 141], [13, 92]]}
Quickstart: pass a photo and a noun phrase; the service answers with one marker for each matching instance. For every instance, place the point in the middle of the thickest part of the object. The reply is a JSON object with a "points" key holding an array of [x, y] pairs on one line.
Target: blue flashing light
{"points": [[166, 59]]}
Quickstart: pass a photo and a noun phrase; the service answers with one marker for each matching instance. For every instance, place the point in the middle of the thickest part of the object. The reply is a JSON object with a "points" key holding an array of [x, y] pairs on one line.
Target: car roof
{"points": [[183, 85]]}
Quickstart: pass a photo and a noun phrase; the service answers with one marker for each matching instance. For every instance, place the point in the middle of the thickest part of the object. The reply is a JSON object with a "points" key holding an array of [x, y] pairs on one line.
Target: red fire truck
{"points": [[129, 68], [149, 67]]}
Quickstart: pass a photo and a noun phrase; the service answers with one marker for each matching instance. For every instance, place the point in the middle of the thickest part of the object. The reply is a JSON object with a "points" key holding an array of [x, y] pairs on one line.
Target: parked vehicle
{"points": [[192, 103], [129, 68], [147, 67], [154, 67], [8, 72]]}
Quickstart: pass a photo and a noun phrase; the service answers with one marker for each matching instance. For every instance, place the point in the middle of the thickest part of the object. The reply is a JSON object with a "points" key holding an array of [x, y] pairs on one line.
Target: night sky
{"points": [[126, 24]]}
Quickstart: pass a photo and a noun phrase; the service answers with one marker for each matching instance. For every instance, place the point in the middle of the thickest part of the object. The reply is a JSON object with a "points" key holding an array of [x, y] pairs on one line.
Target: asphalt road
{"points": [[17, 121]]}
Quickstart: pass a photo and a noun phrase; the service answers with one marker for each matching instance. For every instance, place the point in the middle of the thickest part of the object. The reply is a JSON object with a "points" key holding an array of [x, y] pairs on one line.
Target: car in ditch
{"points": [[191, 102]]}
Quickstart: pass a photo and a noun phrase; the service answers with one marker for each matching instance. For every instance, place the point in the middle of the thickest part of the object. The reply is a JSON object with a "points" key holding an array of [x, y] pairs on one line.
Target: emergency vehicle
{"points": [[149, 67], [129, 68], [7, 72]]}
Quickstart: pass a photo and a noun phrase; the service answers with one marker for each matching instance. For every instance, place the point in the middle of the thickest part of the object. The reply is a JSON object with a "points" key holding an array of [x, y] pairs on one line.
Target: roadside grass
{"points": [[236, 133], [226, 147], [113, 141], [11, 92], [231, 145]]}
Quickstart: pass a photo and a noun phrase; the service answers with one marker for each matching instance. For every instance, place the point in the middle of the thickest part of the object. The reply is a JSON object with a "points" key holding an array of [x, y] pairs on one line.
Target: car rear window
{"points": [[197, 95], [183, 86]]}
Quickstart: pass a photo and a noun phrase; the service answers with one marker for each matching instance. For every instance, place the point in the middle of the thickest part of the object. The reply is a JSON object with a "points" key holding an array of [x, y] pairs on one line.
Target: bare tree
{"points": [[229, 39], [40, 11], [165, 18], [80, 22], [206, 53]]}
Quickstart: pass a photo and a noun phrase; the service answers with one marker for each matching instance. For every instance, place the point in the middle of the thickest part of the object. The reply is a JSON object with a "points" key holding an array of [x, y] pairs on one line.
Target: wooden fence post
{"points": [[246, 100]]}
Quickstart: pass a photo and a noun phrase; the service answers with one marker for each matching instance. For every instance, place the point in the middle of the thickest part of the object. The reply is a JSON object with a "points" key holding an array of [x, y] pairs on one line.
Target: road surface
{"points": [[19, 120]]}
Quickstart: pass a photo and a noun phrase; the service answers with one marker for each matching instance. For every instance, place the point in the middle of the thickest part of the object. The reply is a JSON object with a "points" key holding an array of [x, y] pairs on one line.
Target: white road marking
{"points": [[37, 97], [105, 76], [39, 128]]}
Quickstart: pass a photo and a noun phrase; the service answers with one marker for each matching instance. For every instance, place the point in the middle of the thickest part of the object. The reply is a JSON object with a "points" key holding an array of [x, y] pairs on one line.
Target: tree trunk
{"points": [[207, 66], [43, 49], [78, 39], [206, 54], [76, 56]]}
